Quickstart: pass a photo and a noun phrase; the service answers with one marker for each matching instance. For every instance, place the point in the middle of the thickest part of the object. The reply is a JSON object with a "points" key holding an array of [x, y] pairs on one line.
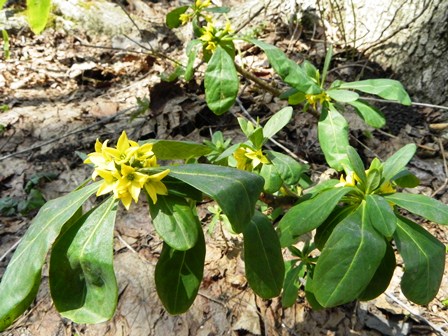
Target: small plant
{"points": [[358, 218], [37, 14]]}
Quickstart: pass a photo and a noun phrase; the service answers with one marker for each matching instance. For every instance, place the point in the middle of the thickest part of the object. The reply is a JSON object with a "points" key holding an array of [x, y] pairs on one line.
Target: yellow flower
{"points": [[110, 181], [228, 28], [320, 98], [125, 149], [100, 159], [248, 159], [154, 186], [387, 188], [199, 4], [184, 18], [129, 184], [350, 181]]}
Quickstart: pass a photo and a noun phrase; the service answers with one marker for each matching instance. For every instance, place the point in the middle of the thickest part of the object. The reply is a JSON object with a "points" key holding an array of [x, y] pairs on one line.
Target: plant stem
{"points": [[261, 83]]}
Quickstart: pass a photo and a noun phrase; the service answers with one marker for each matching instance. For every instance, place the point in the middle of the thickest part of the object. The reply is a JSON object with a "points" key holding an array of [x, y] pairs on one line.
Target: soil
{"points": [[64, 89]]}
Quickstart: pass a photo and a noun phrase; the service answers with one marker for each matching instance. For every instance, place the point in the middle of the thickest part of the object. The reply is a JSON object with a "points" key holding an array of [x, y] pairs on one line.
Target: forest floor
{"points": [[62, 90]]}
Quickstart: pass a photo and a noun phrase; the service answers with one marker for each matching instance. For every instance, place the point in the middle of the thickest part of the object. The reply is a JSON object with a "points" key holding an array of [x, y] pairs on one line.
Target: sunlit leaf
{"points": [[421, 205], [221, 82], [175, 221], [333, 137], [289, 169], [381, 215], [37, 14], [82, 278], [396, 163], [308, 215], [178, 150], [235, 191], [343, 96], [385, 88], [292, 282], [277, 122], [371, 115], [172, 18], [22, 277]]}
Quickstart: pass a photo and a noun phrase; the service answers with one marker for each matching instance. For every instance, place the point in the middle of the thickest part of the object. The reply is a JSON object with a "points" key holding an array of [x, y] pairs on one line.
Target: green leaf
{"points": [[172, 18], [288, 70], [292, 283], [424, 261], [37, 14], [406, 179], [385, 88], [263, 257], [178, 150], [2, 3], [373, 180], [175, 221], [395, 164], [181, 189], [221, 82], [356, 164], [235, 191], [382, 276], [288, 168], [333, 137], [327, 61], [178, 275], [22, 277], [296, 98], [173, 75], [310, 70], [272, 179], [348, 261], [192, 51], [421, 205], [308, 215], [343, 96], [371, 115], [324, 230], [277, 122], [381, 215], [82, 278]]}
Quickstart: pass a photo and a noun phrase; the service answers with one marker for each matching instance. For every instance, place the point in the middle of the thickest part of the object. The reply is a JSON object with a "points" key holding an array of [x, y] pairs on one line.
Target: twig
{"points": [[124, 242], [78, 130], [261, 83], [10, 249], [445, 168], [414, 104], [248, 116], [418, 316]]}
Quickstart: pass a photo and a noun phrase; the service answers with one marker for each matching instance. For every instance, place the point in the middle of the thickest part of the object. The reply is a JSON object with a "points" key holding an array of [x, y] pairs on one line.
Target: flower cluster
{"points": [[248, 158], [351, 180], [123, 170], [320, 98], [198, 6], [212, 35]]}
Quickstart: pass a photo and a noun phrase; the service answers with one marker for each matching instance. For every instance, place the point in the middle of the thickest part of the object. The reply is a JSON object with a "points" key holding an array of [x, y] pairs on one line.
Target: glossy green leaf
{"points": [[356, 164], [82, 278], [324, 230], [192, 51], [406, 179], [172, 18], [343, 96], [385, 88], [37, 13], [263, 257], [22, 277], [381, 215], [221, 82], [424, 261], [288, 70], [373, 180], [333, 137], [180, 189], [310, 70], [292, 283], [296, 98], [272, 179], [277, 122], [235, 191], [175, 221], [178, 275], [288, 168], [371, 115], [348, 261], [308, 215], [422, 205], [178, 150], [382, 277], [396, 163]]}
